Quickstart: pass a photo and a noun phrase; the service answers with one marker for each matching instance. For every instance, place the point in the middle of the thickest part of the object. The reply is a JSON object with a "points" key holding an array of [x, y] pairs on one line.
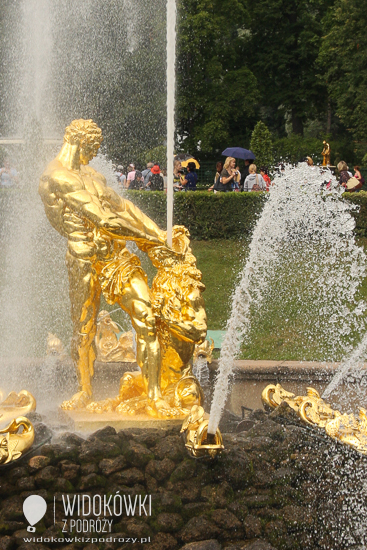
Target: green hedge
{"points": [[206, 215], [361, 216], [224, 215]]}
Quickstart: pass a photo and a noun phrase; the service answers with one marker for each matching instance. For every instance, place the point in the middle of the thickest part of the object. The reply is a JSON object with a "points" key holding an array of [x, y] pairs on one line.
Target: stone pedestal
{"points": [[85, 422]]}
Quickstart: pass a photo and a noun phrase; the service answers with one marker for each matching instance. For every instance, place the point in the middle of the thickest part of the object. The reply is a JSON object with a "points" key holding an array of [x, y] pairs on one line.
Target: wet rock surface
{"points": [[277, 486]]}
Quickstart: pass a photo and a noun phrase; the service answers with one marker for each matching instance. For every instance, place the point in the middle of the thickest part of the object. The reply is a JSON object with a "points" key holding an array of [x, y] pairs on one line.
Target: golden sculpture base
{"points": [[85, 422]]}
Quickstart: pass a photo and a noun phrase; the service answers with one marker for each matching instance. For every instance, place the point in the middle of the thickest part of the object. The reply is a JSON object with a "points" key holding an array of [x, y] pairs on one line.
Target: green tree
{"points": [[261, 144], [285, 38], [217, 92], [343, 57]]}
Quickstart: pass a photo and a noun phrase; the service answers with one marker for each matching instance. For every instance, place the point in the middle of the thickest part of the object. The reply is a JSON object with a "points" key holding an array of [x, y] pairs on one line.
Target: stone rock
{"points": [[189, 491], [70, 439], [89, 468], [16, 473], [63, 485], [128, 477], [26, 484], [194, 509], [258, 545], [46, 477], [70, 470], [38, 462], [137, 454], [160, 469], [150, 437], [197, 529], [104, 432], [94, 450], [184, 471], [249, 444], [6, 489], [217, 494], [269, 428], [239, 509], [252, 526], [170, 447], [169, 523], [7, 543], [170, 501], [163, 541], [138, 528], [12, 509], [225, 520], [109, 466], [90, 481], [12, 527], [296, 516], [210, 544]]}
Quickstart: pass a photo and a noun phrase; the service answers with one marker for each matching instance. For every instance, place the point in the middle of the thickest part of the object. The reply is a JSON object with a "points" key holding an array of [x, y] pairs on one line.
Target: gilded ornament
{"points": [[109, 347], [204, 350], [169, 318], [326, 154], [313, 410], [195, 433], [16, 404], [14, 444]]}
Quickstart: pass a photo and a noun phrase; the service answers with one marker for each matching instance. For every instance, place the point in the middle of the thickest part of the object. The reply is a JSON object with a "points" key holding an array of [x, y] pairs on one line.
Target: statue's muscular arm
{"points": [[125, 208], [100, 210]]}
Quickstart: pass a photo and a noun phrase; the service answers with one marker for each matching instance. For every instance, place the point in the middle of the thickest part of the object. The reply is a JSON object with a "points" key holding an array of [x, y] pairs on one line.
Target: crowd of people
{"points": [[153, 178], [228, 177]]}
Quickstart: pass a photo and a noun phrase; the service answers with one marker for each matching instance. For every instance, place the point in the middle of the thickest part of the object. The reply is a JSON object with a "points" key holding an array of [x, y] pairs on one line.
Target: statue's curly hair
{"points": [[82, 131]]}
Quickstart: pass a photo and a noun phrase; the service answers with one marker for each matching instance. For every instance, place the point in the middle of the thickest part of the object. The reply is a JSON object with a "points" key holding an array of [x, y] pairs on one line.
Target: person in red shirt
{"points": [[266, 178]]}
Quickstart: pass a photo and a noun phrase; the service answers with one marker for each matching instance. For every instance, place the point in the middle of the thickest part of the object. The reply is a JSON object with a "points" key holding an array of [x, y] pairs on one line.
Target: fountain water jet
{"points": [[301, 220]]}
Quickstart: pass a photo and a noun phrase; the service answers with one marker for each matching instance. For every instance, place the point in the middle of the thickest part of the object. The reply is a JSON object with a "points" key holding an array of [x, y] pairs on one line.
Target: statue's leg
{"points": [[84, 290], [136, 301]]}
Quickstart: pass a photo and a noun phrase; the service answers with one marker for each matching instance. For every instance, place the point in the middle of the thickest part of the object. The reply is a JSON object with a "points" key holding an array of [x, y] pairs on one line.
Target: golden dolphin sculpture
{"points": [[195, 432], [16, 404], [313, 410], [14, 444]]}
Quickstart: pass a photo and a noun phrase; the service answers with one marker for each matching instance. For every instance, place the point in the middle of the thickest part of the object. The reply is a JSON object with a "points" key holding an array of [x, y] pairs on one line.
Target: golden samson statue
{"points": [[169, 319]]}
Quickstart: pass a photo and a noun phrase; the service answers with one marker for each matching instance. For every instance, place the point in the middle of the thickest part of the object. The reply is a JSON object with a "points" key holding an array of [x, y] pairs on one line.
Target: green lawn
{"points": [[288, 326]]}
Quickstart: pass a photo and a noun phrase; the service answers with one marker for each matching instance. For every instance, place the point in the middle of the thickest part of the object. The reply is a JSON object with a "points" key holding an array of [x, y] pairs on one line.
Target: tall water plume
{"points": [[66, 60], [304, 258]]}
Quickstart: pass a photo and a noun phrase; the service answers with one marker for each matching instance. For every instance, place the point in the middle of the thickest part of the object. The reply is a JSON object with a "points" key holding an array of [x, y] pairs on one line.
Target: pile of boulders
{"points": [[278, 485]]}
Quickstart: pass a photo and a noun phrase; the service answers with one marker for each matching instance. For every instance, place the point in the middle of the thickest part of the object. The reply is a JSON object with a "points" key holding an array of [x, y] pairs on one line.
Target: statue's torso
{"points": [[84, 240]]}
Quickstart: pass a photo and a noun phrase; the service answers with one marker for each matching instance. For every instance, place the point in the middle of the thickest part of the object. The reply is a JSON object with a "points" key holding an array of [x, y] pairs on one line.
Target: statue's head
{"points": [[87, 135]]}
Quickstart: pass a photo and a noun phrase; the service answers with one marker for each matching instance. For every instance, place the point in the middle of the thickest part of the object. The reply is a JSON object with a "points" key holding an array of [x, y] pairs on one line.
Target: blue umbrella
{"points": [[238, 153]]}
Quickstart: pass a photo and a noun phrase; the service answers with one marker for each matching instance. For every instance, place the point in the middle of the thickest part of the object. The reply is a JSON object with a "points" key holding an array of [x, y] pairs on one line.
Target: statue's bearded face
{"points": [[88, 150], [4, 452]]}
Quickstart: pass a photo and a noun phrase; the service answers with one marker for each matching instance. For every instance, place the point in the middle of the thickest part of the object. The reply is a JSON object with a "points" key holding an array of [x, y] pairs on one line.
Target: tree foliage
{"points": [[217, 91], [261, 144], [343, 58], [284, 41]]}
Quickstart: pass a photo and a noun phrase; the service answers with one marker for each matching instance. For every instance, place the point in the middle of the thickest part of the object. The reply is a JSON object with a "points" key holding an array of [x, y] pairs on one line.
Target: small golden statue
{"points": [[14, 444], [326, 154], [168, 319], [109, 348], [195, 432], [16, 404], [313, 410], [204, 350], [55, 348]]}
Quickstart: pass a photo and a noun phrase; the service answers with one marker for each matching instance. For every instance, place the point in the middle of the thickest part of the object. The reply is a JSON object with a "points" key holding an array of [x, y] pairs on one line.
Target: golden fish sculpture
{"points": [[195, 432], [14, 444], [313, 410], [16, 404]]}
